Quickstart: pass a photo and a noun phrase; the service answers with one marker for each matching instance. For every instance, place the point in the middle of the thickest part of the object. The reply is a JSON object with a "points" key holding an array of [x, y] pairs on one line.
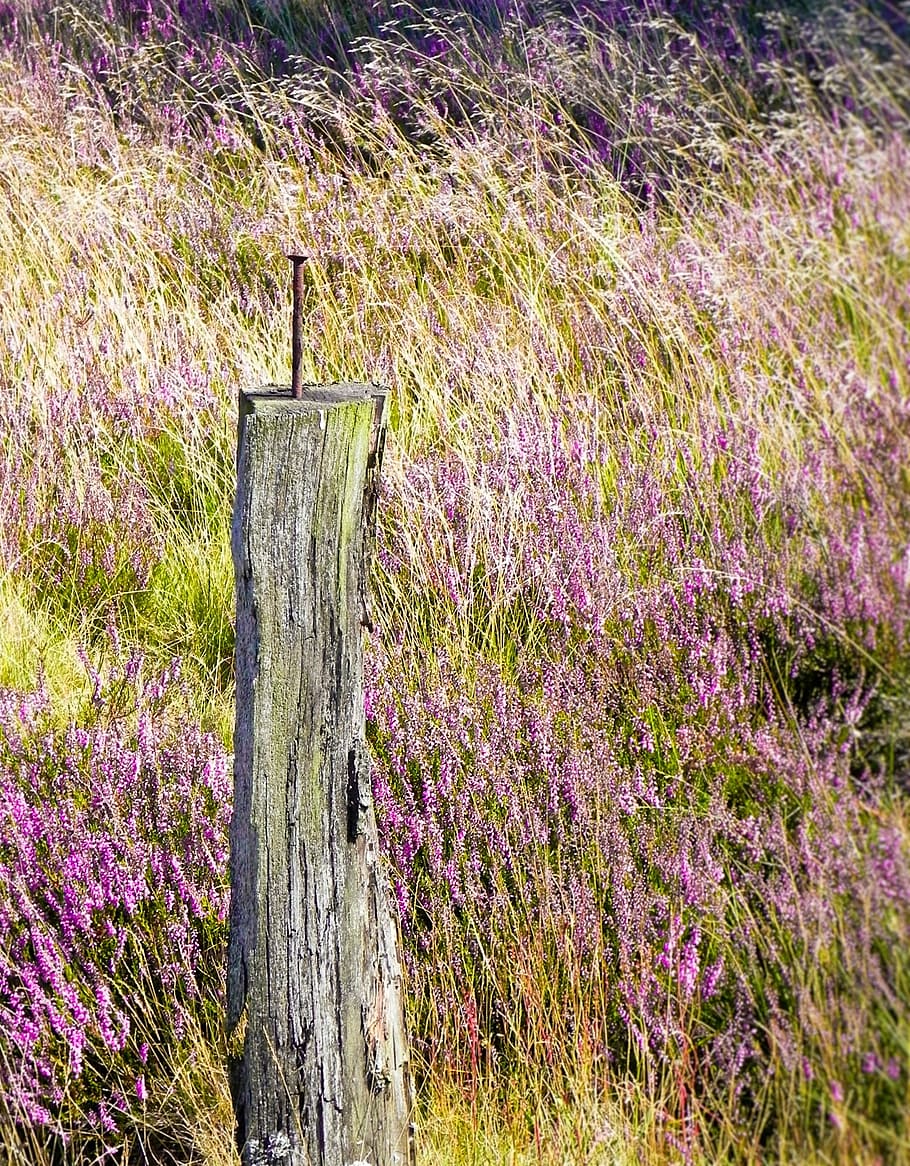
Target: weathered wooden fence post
{"points": [[319, 1068]]}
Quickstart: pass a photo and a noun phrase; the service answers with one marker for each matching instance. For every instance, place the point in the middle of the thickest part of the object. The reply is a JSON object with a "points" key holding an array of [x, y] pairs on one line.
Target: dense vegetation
{"points": [[639, 277]]}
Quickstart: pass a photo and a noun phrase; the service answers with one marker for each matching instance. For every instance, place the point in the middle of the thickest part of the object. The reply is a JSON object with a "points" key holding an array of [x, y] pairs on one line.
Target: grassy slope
{"points": [[143, 282]]}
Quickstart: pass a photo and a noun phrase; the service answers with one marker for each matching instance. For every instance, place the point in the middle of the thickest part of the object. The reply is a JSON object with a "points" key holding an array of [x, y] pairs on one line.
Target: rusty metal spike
{"points": [[297, 327]]}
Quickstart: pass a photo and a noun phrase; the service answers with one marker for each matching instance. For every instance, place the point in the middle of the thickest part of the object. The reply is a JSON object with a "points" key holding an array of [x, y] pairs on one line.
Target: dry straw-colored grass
{"points": [[473, 279]]}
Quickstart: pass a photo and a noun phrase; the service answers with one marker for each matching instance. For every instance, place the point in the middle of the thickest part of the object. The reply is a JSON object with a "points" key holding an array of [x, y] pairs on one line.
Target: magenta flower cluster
{"points": [[670, 780], [113, 837], [445, 65]]}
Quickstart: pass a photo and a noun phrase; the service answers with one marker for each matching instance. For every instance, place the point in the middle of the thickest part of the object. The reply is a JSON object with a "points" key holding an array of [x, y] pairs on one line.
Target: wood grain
{"points": [[319, 1071]]}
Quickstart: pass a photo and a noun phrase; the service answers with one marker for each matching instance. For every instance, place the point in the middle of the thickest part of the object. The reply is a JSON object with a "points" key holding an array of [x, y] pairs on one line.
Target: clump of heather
{"points": [[631, 811], [113, 837], [100, 495]]}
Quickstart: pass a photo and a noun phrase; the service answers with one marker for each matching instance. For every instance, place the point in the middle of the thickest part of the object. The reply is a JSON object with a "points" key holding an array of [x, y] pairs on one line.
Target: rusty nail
{"points": [[297, 327]]}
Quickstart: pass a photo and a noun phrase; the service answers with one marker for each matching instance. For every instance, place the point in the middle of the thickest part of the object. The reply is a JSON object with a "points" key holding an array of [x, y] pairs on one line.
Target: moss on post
{"points": [[313, 972]]}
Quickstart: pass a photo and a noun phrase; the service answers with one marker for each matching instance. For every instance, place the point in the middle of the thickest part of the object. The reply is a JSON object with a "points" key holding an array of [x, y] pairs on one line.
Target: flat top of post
{"points": [[279, 399]]}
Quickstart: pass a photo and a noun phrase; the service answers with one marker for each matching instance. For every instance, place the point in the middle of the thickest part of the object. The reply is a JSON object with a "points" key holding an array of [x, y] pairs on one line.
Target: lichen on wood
{"points": [[313, 968]]}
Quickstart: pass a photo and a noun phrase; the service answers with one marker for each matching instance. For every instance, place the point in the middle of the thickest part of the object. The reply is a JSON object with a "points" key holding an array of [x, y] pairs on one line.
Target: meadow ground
{"points": [[637, 695]]}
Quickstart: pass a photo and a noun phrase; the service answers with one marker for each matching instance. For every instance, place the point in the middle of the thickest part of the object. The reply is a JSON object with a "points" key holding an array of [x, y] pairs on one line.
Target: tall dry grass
{"points": [[639, 284]]}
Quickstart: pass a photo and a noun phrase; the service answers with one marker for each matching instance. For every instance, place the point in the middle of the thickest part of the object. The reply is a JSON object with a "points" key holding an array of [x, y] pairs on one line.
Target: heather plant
{"points": [[113, 850], [637, 688], [625, 787]]}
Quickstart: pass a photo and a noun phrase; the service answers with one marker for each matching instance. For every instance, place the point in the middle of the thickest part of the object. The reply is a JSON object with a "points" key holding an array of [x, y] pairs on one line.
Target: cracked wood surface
{"points": [[319, 1055]]}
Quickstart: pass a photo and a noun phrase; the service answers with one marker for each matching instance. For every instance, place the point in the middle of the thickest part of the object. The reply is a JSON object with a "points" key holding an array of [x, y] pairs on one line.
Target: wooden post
{"points": [[319, 1056]]}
